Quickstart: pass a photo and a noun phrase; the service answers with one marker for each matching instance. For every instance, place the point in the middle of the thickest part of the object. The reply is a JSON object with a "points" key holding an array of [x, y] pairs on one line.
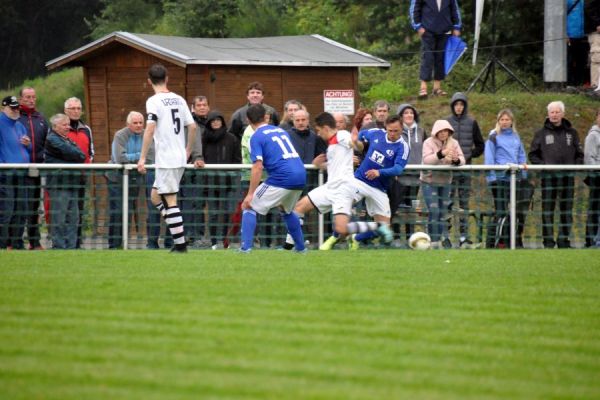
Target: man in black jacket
{"points": [[556, 143], [254, 95]]}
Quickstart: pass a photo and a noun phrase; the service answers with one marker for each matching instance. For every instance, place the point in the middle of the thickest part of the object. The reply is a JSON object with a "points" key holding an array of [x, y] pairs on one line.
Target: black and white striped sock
{"points": [[175, 224]]}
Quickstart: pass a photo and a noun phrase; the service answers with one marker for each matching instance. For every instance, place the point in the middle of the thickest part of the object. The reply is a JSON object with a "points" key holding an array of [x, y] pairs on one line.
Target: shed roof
{"points": [[302, 51]]}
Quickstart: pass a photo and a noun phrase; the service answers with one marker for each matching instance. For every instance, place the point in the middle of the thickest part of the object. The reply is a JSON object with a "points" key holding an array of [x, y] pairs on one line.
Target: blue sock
{"points": [[365, 236], [248, 227], [295, 229]]}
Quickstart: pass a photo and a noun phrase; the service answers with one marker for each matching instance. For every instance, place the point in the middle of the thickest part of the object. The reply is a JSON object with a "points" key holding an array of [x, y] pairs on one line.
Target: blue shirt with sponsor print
{"points": [[388, 157], [274, 147]]}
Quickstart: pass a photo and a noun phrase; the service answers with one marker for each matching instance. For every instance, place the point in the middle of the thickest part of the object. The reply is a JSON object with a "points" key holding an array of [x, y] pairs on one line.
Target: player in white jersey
{"points": [[168, 114], [340, 192]]}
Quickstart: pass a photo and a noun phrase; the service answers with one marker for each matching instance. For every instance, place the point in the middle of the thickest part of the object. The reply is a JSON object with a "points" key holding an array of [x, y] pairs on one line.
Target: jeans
{"points": [[192, 208], [13, 208], [64, 212], [437, 197]]}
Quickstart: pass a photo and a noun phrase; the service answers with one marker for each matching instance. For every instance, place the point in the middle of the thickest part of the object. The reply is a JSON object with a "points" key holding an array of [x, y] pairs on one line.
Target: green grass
{"points": [[273, 325]]}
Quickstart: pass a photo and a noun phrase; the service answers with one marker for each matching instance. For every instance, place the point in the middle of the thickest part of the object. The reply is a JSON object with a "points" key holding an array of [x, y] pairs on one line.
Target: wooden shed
{"points": [[290, 67]]}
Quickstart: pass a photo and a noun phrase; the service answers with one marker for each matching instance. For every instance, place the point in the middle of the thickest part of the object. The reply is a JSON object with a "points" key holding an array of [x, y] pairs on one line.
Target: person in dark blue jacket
{"points": [[15, 148], [37, 129], [434, 20], [63, 185]]}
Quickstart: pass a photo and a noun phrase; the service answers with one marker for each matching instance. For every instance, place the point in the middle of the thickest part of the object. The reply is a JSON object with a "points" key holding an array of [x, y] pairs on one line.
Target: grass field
{"points": [[327, 325]]}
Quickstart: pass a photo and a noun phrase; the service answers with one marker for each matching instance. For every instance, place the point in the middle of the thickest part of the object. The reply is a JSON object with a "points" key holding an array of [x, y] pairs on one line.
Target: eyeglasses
{"points": [[74, 108]]}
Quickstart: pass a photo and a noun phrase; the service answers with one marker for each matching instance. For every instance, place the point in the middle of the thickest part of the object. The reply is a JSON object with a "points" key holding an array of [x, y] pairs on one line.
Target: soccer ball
{"points": [[419, 241]]}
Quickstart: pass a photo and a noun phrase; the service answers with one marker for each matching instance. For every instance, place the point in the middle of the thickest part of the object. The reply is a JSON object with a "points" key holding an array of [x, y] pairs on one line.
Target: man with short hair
{"points": [[341, 121], [557, 142], [168, 114], [254, 95], [63, 185], [200, 110], [305, 140], [382, 112], [81, 134], [126, 149], [37, 129], [271, 148], [15, 147]]}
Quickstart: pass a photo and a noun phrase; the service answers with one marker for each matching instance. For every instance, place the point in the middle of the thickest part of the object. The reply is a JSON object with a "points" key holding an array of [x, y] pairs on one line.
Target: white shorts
{"points": [[377, 202], [167, 180], [267, 197], [339, 200]]}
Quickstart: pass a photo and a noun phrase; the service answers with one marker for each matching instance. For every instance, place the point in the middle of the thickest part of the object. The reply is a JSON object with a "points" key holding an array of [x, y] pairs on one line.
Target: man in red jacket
{"points": [[81, 134]]}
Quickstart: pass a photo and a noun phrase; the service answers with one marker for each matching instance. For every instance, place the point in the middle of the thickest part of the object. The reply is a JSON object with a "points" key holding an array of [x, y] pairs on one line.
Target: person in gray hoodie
{"points": [[405, 188], [591, 156], [468, 135]]}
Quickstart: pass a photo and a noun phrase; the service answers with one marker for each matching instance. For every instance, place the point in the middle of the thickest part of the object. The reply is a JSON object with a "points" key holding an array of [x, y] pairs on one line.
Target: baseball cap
{"points": [[10, 101]]}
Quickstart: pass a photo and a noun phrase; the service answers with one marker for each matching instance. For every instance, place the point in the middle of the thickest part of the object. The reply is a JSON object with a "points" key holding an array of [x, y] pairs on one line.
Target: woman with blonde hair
{"points": [[504, 146]]}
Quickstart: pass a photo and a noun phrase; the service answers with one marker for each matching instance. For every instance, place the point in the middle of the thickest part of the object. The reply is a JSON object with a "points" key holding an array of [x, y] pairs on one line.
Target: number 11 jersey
{"points": [[273, 146], [170, 113]]}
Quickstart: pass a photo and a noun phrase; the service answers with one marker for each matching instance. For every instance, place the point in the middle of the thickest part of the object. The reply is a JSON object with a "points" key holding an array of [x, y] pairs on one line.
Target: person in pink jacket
{"points": [[439, 149]]}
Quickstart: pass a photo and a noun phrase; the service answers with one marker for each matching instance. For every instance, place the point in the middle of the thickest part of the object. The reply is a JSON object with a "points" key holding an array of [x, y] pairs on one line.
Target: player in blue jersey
{"points": [[271, 149], [386, 157]]}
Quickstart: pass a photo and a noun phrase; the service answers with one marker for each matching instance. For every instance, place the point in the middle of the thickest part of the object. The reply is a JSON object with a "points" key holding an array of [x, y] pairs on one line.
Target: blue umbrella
{"points": [[455, 48]]}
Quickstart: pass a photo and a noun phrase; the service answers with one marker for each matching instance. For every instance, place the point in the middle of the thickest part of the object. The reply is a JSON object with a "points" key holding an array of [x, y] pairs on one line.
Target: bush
{"points": [[387, 90], [53, 90]]}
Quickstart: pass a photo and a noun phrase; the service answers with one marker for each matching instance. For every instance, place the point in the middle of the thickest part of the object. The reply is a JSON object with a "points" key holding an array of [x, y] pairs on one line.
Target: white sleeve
{"points": [[151, 111], [344, 138]]}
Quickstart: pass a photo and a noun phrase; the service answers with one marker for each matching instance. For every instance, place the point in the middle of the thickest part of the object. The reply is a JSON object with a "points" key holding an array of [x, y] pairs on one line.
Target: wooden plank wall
{"points": [[116, 84]]}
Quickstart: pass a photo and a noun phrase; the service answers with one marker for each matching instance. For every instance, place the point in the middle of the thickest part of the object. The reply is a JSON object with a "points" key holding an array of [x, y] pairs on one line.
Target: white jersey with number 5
{"points": [[171, 115]]}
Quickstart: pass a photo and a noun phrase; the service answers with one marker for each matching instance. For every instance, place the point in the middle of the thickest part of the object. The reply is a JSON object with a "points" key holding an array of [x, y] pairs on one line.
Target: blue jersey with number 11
{"points": [[274, 147]]}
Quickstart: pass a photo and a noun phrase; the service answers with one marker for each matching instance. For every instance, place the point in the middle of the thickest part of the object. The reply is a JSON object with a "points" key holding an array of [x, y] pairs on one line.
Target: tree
{"points": [[197, 18], [43, 30], [126, 15]]}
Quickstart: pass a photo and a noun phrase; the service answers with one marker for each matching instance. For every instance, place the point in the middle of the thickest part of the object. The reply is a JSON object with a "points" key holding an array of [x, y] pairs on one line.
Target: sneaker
{"points": [[467, 244], [217, 246], [202, 244], [353, 244], [243, 251], [385, 233], [178, 249], [287, 246], [446, 243], [303, 251], [329, 243]]}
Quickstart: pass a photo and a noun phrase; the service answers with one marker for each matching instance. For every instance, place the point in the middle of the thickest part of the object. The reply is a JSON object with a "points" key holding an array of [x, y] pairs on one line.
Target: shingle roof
{"points": [[307, 50]]}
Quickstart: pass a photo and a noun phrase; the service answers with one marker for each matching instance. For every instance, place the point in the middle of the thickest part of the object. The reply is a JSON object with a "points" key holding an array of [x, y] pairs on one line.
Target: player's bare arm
{"points": [[148, 137]]}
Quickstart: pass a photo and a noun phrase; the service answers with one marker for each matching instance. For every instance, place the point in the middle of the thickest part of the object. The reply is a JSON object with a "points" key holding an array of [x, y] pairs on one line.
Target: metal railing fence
{"points": [[221, 187]]}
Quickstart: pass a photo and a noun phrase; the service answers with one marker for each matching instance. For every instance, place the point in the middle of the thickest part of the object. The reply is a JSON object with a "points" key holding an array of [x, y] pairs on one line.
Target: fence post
{"points": [[513, 205], [321, 216], [125, 200]]}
